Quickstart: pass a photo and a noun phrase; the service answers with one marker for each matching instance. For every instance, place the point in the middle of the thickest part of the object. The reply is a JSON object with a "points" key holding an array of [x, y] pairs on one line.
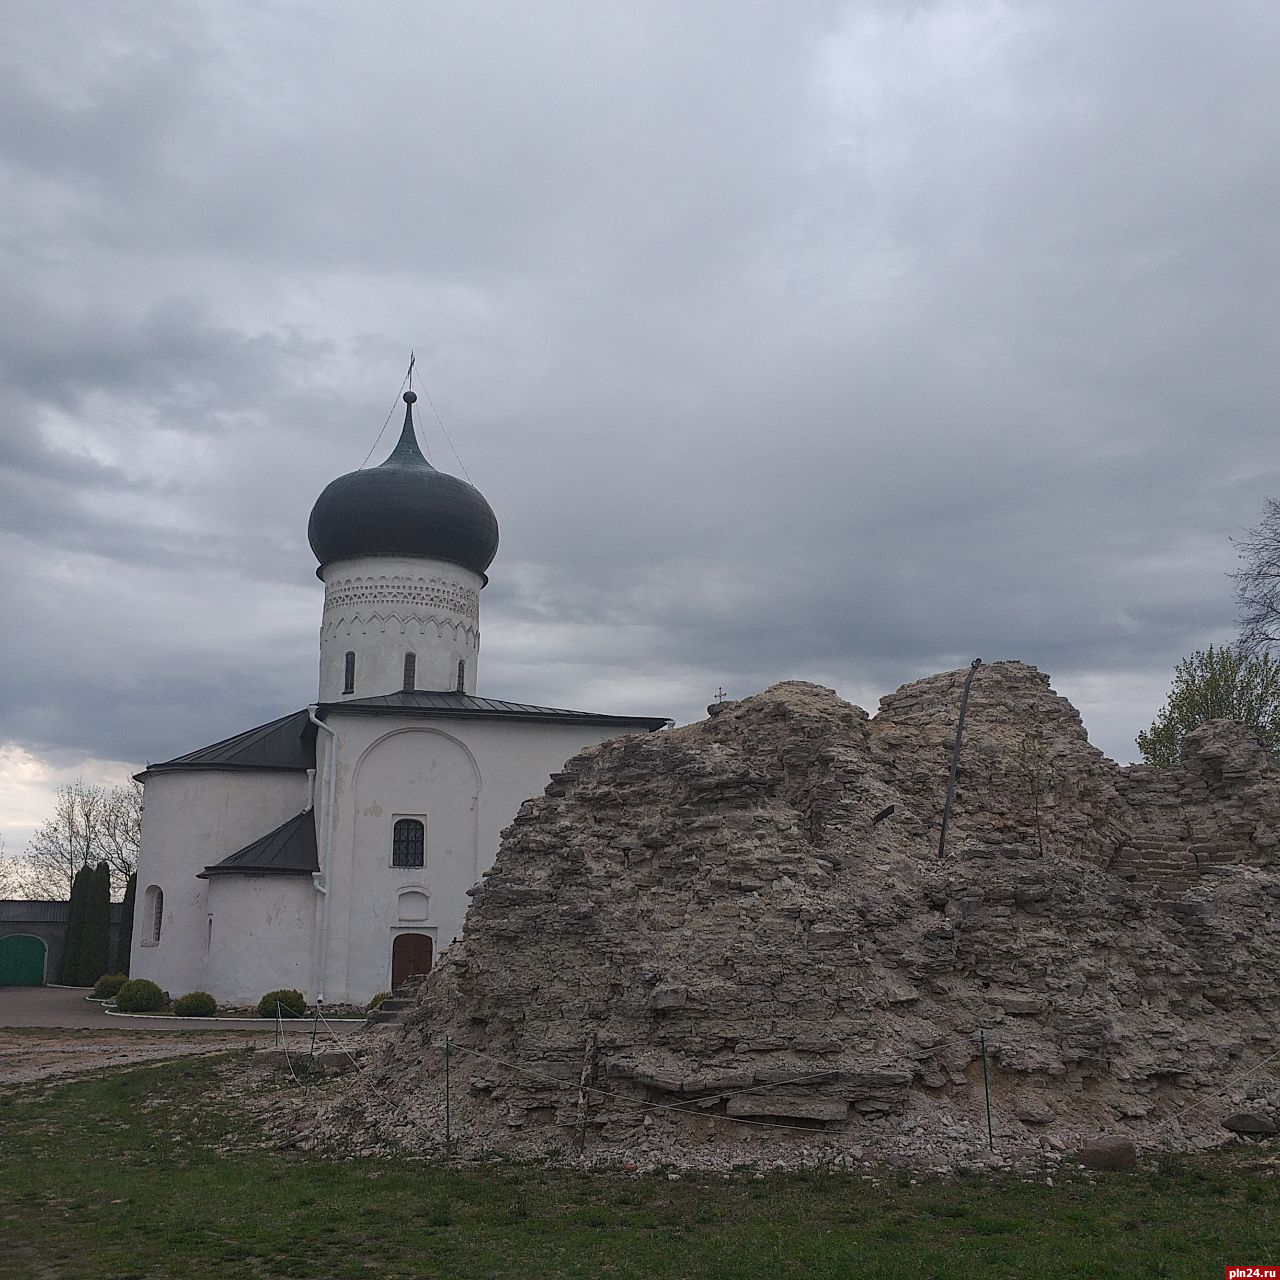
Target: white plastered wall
{"points": [[192, 819], [467, 779], [262, 934], [382, 607]]}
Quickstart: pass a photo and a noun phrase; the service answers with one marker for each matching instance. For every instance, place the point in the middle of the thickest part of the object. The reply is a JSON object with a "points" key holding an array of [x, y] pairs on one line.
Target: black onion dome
{"points": [[404, 507]]}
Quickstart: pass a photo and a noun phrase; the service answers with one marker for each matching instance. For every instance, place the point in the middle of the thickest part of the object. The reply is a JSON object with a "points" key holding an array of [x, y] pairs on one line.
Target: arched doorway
{"points": [[410, 955], [22, 959]]}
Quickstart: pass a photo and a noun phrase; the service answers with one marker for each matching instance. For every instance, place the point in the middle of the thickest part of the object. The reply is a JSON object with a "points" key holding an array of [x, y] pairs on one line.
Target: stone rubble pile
{"points": [[710, 946]]}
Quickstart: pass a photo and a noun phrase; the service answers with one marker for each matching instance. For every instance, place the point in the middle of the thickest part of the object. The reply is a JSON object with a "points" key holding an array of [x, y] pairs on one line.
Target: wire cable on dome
{"points": [[407, 377], [443, 428]]}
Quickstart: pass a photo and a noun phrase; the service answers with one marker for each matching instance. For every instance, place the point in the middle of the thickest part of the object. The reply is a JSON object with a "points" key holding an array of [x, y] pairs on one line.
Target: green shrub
{"points": [[195, 1004], [140, 996], [377, 1000], [292, 1004], [108, 985]]}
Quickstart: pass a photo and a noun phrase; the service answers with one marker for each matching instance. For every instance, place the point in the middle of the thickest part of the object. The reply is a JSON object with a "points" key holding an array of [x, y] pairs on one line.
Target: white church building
{"points": [[331, 850]]}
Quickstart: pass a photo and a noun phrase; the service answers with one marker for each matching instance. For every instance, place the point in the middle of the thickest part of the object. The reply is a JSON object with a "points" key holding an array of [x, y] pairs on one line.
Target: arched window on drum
{"points": [[152, 915]]}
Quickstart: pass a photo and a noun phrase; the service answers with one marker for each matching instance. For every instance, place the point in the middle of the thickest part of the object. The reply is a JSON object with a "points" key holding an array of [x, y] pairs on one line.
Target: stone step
{"points": [[393, 1004]]}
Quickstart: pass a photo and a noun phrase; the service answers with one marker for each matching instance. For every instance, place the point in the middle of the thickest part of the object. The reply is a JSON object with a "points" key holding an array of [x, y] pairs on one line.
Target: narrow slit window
{"points": [[349, 673], [154, 917], [462, 675], [410, 671], [408, 842]]}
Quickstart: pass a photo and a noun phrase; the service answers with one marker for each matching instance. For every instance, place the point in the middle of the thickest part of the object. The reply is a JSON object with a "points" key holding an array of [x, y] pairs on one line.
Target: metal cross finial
{"points": [[720, 693]]}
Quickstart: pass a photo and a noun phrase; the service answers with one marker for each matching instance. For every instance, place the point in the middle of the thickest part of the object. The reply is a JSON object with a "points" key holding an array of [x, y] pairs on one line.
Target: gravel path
{"points": [[67, 1007], [49, 1033], [61, 1053]]}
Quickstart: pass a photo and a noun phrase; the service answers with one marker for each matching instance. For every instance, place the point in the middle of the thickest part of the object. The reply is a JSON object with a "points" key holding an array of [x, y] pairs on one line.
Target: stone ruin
{"points": [[735, 943]]}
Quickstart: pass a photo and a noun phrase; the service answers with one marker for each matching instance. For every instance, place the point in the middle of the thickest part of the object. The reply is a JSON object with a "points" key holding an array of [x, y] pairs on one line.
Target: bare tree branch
{"points": [[120, 837], [10, 874], [1258, 583], [89, 825]]}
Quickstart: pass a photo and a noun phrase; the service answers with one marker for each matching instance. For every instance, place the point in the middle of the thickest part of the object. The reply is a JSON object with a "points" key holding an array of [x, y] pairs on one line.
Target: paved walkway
{"points": [[67, 1007]]}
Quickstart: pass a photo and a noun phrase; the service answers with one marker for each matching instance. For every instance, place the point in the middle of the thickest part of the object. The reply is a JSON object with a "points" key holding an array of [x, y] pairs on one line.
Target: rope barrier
{"points": [[1200, 1102], [686, 1106], [283, 1046], [682, 1107]]}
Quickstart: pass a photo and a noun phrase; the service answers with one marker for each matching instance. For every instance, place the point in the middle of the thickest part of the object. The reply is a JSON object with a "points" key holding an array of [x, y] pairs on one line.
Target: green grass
{"points": [[145, 1174]]}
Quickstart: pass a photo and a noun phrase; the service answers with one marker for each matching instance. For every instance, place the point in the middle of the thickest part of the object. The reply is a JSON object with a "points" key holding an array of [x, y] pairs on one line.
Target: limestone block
{"points": [[788, 1107], [1034, 1111], [1250, 1124], [668, 997], [1109, 1154]]}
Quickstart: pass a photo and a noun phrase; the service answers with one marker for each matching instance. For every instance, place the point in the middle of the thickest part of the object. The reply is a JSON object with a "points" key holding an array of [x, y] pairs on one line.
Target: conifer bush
{"points": [[94, 957], [125, 938], [138, 995], [377, 1000], [292, 1004], [195, 1004], [108, 985], [69, 965]]}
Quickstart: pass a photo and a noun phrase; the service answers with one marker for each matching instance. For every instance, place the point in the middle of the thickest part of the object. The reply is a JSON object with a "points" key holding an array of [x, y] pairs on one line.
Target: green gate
{"points": [[21, 961]]}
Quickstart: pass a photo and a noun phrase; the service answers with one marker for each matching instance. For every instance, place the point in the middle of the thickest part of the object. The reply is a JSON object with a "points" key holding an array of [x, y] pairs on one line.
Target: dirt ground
{"points": [[54, 1033], [59, 1053]]}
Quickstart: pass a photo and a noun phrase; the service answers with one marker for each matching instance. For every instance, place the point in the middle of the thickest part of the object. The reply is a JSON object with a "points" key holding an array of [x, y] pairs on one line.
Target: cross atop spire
{"points": [[407, 451]]}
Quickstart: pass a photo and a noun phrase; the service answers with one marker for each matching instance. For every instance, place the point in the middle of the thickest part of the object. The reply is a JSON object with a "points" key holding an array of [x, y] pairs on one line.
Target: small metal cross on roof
{"points": [[720, 693]]}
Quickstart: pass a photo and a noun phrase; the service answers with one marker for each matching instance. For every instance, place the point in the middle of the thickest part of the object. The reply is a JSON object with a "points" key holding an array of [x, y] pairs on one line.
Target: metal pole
{"points": [[448, 1118], [986, 1089], [955, 756]]}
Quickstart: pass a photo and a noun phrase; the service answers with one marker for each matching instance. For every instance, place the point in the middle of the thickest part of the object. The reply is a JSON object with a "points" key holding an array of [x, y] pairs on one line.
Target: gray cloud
{"points": [[844, 341]]}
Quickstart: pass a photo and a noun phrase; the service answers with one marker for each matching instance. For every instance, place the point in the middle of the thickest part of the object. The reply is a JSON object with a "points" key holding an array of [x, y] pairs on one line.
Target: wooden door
{"points": [[410, 954]]}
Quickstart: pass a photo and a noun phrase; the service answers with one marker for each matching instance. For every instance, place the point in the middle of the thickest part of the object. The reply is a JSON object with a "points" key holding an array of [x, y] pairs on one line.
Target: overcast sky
{"points": [[836, 341]]}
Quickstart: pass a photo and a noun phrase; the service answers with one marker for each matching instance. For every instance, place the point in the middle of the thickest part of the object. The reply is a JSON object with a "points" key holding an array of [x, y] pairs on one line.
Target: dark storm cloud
{"points": [[843, 341]]}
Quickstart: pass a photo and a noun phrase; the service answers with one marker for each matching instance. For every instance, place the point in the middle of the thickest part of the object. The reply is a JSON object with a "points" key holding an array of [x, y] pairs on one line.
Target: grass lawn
{"points": [[130, 1176]]}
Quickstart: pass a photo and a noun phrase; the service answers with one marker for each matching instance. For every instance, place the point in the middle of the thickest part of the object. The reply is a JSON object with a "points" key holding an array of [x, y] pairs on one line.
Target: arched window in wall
{"points": [[153, 915], [462, 675], [410, 671], [349, 673], [408, 842]]}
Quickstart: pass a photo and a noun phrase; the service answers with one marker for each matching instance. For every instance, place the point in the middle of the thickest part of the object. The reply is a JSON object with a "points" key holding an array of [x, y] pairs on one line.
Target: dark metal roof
{"points": [[463, 705], [404, 507], [289, 850], [39, 911], [287, 743]]}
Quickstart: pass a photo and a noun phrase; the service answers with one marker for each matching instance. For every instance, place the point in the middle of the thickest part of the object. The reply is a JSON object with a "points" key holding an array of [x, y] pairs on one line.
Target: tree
{"points": [[1258, 583], [120, 835], [125, 937], [95, 943], [67, 841], [81, 888], [1216, 684], [10, 874], [90, 824]]}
